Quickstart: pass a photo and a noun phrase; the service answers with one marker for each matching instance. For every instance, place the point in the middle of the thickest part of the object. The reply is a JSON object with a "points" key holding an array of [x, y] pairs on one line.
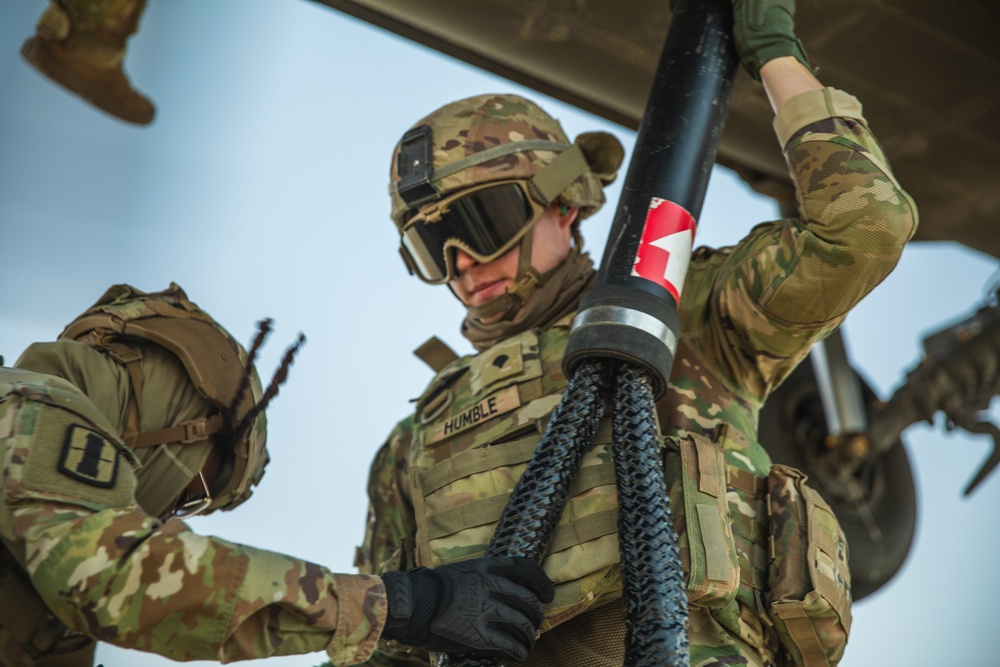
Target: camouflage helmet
{"points": [[500, 137], [123, 323]]}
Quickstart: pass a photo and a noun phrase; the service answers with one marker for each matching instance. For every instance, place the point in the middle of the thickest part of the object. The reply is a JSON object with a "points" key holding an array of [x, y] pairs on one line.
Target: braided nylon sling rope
{"points": [[538, 499], [655, 596]]}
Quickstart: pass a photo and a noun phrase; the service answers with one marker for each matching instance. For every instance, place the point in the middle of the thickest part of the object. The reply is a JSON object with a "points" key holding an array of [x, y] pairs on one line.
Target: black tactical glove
{"points": [[764, 30], [488, 606]]}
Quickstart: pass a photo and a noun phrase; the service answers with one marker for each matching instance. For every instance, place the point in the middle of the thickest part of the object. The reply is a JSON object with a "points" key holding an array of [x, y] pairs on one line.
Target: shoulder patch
{"points": [[55, 455], [89, 457]]}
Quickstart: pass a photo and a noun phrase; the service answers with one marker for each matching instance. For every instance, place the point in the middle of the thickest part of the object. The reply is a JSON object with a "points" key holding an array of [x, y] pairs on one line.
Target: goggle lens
{"points": [[484, 222]]}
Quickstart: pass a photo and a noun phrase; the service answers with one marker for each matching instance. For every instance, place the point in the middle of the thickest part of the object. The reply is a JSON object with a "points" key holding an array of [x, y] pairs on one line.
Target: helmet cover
{"points": [[216, 365], [499, 137]]}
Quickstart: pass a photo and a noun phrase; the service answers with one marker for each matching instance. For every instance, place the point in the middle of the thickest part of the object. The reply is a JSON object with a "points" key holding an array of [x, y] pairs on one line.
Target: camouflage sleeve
{"points": [[107, 569], [791, 283], [125, 578], [390, 532]]}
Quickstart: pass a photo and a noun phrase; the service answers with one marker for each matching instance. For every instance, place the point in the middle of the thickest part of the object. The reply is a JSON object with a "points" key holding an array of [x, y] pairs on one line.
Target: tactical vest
{"points": [[475, 429], [478, 424]]}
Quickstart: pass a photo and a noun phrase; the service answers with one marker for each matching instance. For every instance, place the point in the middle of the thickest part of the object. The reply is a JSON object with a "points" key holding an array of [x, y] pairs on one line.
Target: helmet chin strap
{"points": [[525, 283]]}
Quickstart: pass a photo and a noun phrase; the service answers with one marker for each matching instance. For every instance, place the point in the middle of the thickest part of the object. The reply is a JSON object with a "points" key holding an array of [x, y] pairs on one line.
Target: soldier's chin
{"points": [[494, 317], [491, 319]]}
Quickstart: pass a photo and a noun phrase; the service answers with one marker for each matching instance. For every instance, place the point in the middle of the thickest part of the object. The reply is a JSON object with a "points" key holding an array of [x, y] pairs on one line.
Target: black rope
{"points": [[655, 596], [654, 586], [538, 498]]}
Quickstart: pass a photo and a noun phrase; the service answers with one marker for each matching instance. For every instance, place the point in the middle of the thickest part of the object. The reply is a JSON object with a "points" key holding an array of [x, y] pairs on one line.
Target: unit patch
{"points": [[89, 457]]}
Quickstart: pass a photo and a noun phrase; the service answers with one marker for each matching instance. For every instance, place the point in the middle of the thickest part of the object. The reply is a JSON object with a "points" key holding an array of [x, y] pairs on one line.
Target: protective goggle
{"points": [[485, 221]]}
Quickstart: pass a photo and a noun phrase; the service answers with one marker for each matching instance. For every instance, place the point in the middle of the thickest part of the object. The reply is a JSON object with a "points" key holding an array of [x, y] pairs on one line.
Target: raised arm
{"points": [[786, 77], [791, 282]]}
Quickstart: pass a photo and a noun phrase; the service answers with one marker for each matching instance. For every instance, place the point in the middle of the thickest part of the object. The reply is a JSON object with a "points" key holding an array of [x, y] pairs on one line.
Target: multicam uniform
{"points": [[71, 530], [750, 313]]}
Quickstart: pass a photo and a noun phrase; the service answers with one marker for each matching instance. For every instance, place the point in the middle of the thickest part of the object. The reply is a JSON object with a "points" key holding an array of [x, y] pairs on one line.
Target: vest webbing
{"points": [[754, 488], [587, 529], [488, 510]]}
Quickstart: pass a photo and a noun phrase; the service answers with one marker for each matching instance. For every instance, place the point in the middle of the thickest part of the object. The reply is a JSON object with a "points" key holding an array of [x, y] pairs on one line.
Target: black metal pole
{"points": [[631, 313]]}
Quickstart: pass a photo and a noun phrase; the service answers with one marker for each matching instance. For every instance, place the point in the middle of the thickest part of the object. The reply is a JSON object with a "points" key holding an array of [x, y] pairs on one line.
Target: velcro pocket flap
{"points": [[708, 551]]}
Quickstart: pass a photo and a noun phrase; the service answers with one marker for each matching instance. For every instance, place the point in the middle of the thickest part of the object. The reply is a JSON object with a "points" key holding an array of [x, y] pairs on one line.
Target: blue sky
{"points": [[261, 189]]}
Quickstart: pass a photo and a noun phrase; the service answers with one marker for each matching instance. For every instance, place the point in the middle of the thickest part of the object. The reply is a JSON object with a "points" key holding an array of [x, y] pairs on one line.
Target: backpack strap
{"points": [[131, 359], [185, 433]]}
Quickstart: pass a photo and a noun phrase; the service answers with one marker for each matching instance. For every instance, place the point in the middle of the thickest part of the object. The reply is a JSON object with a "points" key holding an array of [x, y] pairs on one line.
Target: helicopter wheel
{"points": [[880, 526]]}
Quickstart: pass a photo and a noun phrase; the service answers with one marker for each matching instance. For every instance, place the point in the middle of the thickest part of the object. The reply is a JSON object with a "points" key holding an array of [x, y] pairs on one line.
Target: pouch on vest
{"points": [[695, 470], [808, 578], [458, 503], [476, 428]]}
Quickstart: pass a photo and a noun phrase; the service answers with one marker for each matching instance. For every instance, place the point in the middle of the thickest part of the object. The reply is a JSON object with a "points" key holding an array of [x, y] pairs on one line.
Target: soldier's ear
{"points": [[567, 215]]}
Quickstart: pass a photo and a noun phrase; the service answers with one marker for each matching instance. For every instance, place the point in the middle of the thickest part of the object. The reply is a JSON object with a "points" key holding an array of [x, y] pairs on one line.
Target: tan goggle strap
{"points": [[504, 303], [524, 286], [557, 175], [527, 278]]}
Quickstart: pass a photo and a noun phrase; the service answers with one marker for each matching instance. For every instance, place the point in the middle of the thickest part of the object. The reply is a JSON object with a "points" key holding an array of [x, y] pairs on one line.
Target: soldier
{"points": [[488, 195], [80, 45], [146, 410]]}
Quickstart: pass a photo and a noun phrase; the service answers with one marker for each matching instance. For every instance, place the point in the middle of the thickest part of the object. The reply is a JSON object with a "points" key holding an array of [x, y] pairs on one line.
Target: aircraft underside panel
{"points": [[925, 71]]}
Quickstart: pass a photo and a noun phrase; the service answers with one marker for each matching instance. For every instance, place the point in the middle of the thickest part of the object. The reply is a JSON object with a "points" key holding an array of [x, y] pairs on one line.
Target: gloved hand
{"points": [[764, 30], [488, 606]]}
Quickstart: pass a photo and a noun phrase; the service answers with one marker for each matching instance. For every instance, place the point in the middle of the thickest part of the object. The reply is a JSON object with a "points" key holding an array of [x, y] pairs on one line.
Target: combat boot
{"points": [[80, 45]]}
